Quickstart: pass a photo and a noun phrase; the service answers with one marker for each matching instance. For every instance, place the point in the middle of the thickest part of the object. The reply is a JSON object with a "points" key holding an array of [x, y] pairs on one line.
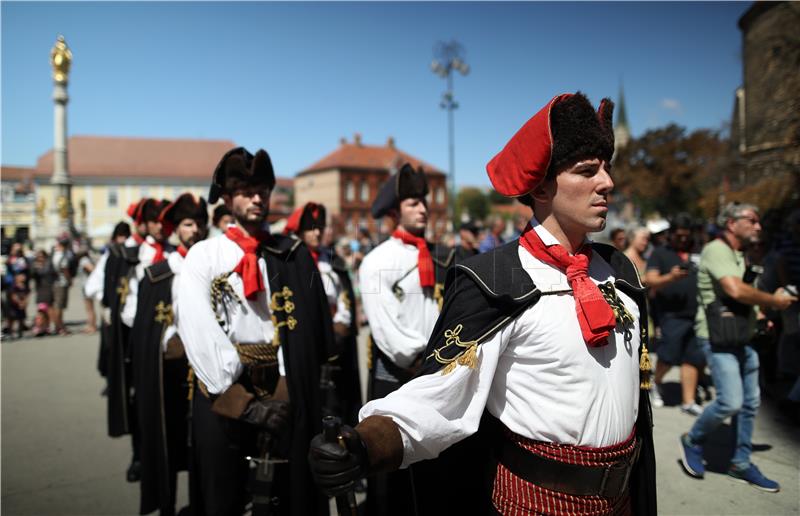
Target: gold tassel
{"points": [[645, 368], [449, 368], [190, 380], [470, 357]]}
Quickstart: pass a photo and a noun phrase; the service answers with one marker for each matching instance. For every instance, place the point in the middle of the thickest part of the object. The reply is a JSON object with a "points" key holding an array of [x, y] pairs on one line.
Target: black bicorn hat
{"points": [[150, 210], [405, 184], [186, 206], [239, 168]]}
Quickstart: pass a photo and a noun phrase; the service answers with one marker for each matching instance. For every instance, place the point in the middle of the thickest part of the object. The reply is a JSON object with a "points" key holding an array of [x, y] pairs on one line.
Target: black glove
{"points": [[336, 468], [271, 415]]}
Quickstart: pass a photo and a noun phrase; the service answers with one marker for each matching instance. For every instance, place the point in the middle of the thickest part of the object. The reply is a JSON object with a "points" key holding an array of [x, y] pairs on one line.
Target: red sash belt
{"points": [[513, 494]]}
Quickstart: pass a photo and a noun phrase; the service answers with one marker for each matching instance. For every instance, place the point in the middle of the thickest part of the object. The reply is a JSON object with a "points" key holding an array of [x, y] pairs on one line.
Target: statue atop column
{"points": [[60, 59]]}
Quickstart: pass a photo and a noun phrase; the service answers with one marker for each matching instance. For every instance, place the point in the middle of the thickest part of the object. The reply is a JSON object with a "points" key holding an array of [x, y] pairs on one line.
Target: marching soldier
{"points": [[308, 223], [159, 362], [534, 390], [255, 324], [402, 288]]}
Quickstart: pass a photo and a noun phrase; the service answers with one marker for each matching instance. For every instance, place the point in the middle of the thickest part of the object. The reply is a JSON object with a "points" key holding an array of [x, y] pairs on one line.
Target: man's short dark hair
{"points": [[681, 221]]}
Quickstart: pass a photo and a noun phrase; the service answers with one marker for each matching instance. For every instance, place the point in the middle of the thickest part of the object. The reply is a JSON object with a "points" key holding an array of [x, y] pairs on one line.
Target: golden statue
{"points": [[60, 59], [40, 207], [63, 207]]}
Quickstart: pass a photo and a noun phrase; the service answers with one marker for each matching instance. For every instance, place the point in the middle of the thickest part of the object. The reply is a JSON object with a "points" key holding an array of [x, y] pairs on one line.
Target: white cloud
{"points": [[672, 105]]}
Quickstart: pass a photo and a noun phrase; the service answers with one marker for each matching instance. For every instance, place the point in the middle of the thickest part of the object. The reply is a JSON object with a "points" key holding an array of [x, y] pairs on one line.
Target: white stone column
{"points": [[61, 59]]}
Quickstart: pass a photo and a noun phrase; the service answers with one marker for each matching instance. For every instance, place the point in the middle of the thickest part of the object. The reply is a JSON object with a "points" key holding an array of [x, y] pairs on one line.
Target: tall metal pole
{"points": [[449, 59], [60, 60], [451, 205]]}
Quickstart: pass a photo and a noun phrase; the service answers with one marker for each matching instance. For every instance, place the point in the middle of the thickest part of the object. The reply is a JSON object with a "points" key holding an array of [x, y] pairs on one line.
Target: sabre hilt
{"points": [[331, 432]]}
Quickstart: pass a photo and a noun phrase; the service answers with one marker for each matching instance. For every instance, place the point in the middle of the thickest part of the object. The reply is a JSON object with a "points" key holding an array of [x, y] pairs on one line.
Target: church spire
{"points": [[622, 132]]}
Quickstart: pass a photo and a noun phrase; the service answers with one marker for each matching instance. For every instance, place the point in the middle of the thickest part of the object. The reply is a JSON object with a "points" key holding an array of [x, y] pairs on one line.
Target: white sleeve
{"points": [[209, 350], [435, 411], [401, 343], [93, 287], [343, 314]]}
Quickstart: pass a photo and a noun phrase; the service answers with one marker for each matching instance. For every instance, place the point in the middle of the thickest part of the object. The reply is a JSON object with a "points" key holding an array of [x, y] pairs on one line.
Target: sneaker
{"points": [[655, 397], [692, 458], [755, 478], [693, 409]]}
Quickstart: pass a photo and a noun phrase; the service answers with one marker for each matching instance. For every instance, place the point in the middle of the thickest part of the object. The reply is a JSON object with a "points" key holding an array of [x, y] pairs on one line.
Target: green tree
{"points": [[473, 202]]}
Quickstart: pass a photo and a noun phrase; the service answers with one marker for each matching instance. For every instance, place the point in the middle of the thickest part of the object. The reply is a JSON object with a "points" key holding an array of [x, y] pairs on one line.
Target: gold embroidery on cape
{"points": [[468, 357], [346, 300], [164, 314], [123, 289], [281, 302], [438, 295], [621, 313]]}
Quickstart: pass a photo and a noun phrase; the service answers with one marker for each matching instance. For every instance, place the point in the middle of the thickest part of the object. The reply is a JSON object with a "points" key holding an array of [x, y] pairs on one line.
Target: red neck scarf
{"points": [[159, 247], [595, 316], [182, 250], [314, 255], [247, 267], [424, 260], [138, 238]]}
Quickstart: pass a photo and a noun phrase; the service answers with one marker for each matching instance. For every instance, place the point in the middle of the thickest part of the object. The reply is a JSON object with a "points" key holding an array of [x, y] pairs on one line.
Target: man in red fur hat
{"points": [[533, 394]]}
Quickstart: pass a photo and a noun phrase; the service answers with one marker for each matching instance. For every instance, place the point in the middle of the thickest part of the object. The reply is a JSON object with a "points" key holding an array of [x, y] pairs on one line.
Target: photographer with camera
{"points": [[725, 327], [673, 278]]}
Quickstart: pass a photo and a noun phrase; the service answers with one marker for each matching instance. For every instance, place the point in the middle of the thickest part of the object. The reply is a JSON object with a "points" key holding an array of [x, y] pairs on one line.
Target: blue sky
{"points": [[293, 78]]}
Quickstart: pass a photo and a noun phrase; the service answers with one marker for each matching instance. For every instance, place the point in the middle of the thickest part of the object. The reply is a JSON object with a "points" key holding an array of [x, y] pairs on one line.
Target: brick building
{"points": [[347, 181]]}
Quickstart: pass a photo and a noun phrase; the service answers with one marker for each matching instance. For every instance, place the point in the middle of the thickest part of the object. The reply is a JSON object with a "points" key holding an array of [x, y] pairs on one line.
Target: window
{"points": [[113, 197], [364, 191], [349, 191], [440, 195]]}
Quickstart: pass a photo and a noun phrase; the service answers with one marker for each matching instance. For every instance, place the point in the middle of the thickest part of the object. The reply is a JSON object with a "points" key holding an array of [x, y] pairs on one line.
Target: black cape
{"points": [[484, 293], [119, 266], [161, 388], [346, 377], [307, 344]]}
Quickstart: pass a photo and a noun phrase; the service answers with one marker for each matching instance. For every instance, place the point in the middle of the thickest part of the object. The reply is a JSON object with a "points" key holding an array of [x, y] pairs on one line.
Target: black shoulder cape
{"points": [[161, 393], [483, 294], [306, 335], [119, 266]]}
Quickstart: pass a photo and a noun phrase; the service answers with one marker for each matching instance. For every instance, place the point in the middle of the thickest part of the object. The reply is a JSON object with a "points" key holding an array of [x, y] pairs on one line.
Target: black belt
{"points": [[606, 481]]}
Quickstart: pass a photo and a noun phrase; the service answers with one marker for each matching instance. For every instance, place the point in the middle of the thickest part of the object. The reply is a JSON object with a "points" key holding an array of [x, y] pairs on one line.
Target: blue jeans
{"points": [[735, 376]]}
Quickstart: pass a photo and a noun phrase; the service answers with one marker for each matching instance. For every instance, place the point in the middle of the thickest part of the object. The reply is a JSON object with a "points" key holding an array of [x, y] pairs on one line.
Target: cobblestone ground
{"points": [[57, 458]]}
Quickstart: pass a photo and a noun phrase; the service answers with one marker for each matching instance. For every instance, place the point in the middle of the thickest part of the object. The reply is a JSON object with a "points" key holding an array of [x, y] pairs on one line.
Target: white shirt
{"points": [[334, 291], [209, 347], [400, 327], [537, 376], [93, 288], [146, 255]]}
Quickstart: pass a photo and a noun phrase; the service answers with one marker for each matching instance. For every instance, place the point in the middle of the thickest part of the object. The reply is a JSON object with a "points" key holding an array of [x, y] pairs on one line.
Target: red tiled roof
{"points": [[91, 156], [11, 173], [356, 155]]}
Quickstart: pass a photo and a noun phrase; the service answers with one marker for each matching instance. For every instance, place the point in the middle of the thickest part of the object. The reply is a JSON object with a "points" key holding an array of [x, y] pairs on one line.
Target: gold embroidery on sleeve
{"points": [[281, 302], [468, 357]]}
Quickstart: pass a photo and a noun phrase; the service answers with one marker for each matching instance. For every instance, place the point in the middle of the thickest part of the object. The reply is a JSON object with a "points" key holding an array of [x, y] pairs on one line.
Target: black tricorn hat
{"points": [[238, 168], [186, 206], [405, 184], [151, 210]]}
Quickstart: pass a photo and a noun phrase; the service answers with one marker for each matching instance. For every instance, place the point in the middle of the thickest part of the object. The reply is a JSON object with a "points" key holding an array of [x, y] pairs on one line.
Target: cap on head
{"points": [[186, 206], [305, 218], [405, 184], [150, 210], [134, 210], [566, 129], [237, 169]]}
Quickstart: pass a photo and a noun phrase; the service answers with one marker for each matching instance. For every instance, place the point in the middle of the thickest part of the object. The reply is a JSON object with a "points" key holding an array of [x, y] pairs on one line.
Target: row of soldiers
{"points": [[524, 369], [222, 355]]}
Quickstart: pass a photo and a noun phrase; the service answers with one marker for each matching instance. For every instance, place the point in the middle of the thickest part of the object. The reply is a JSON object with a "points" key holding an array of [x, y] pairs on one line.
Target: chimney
{"points": [[390, 142], [357, 139], [342, 141]]}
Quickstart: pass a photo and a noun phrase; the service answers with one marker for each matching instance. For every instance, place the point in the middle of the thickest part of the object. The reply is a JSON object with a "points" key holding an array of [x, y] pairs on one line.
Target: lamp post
{"points": [[60, 60], [448, 57]]}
